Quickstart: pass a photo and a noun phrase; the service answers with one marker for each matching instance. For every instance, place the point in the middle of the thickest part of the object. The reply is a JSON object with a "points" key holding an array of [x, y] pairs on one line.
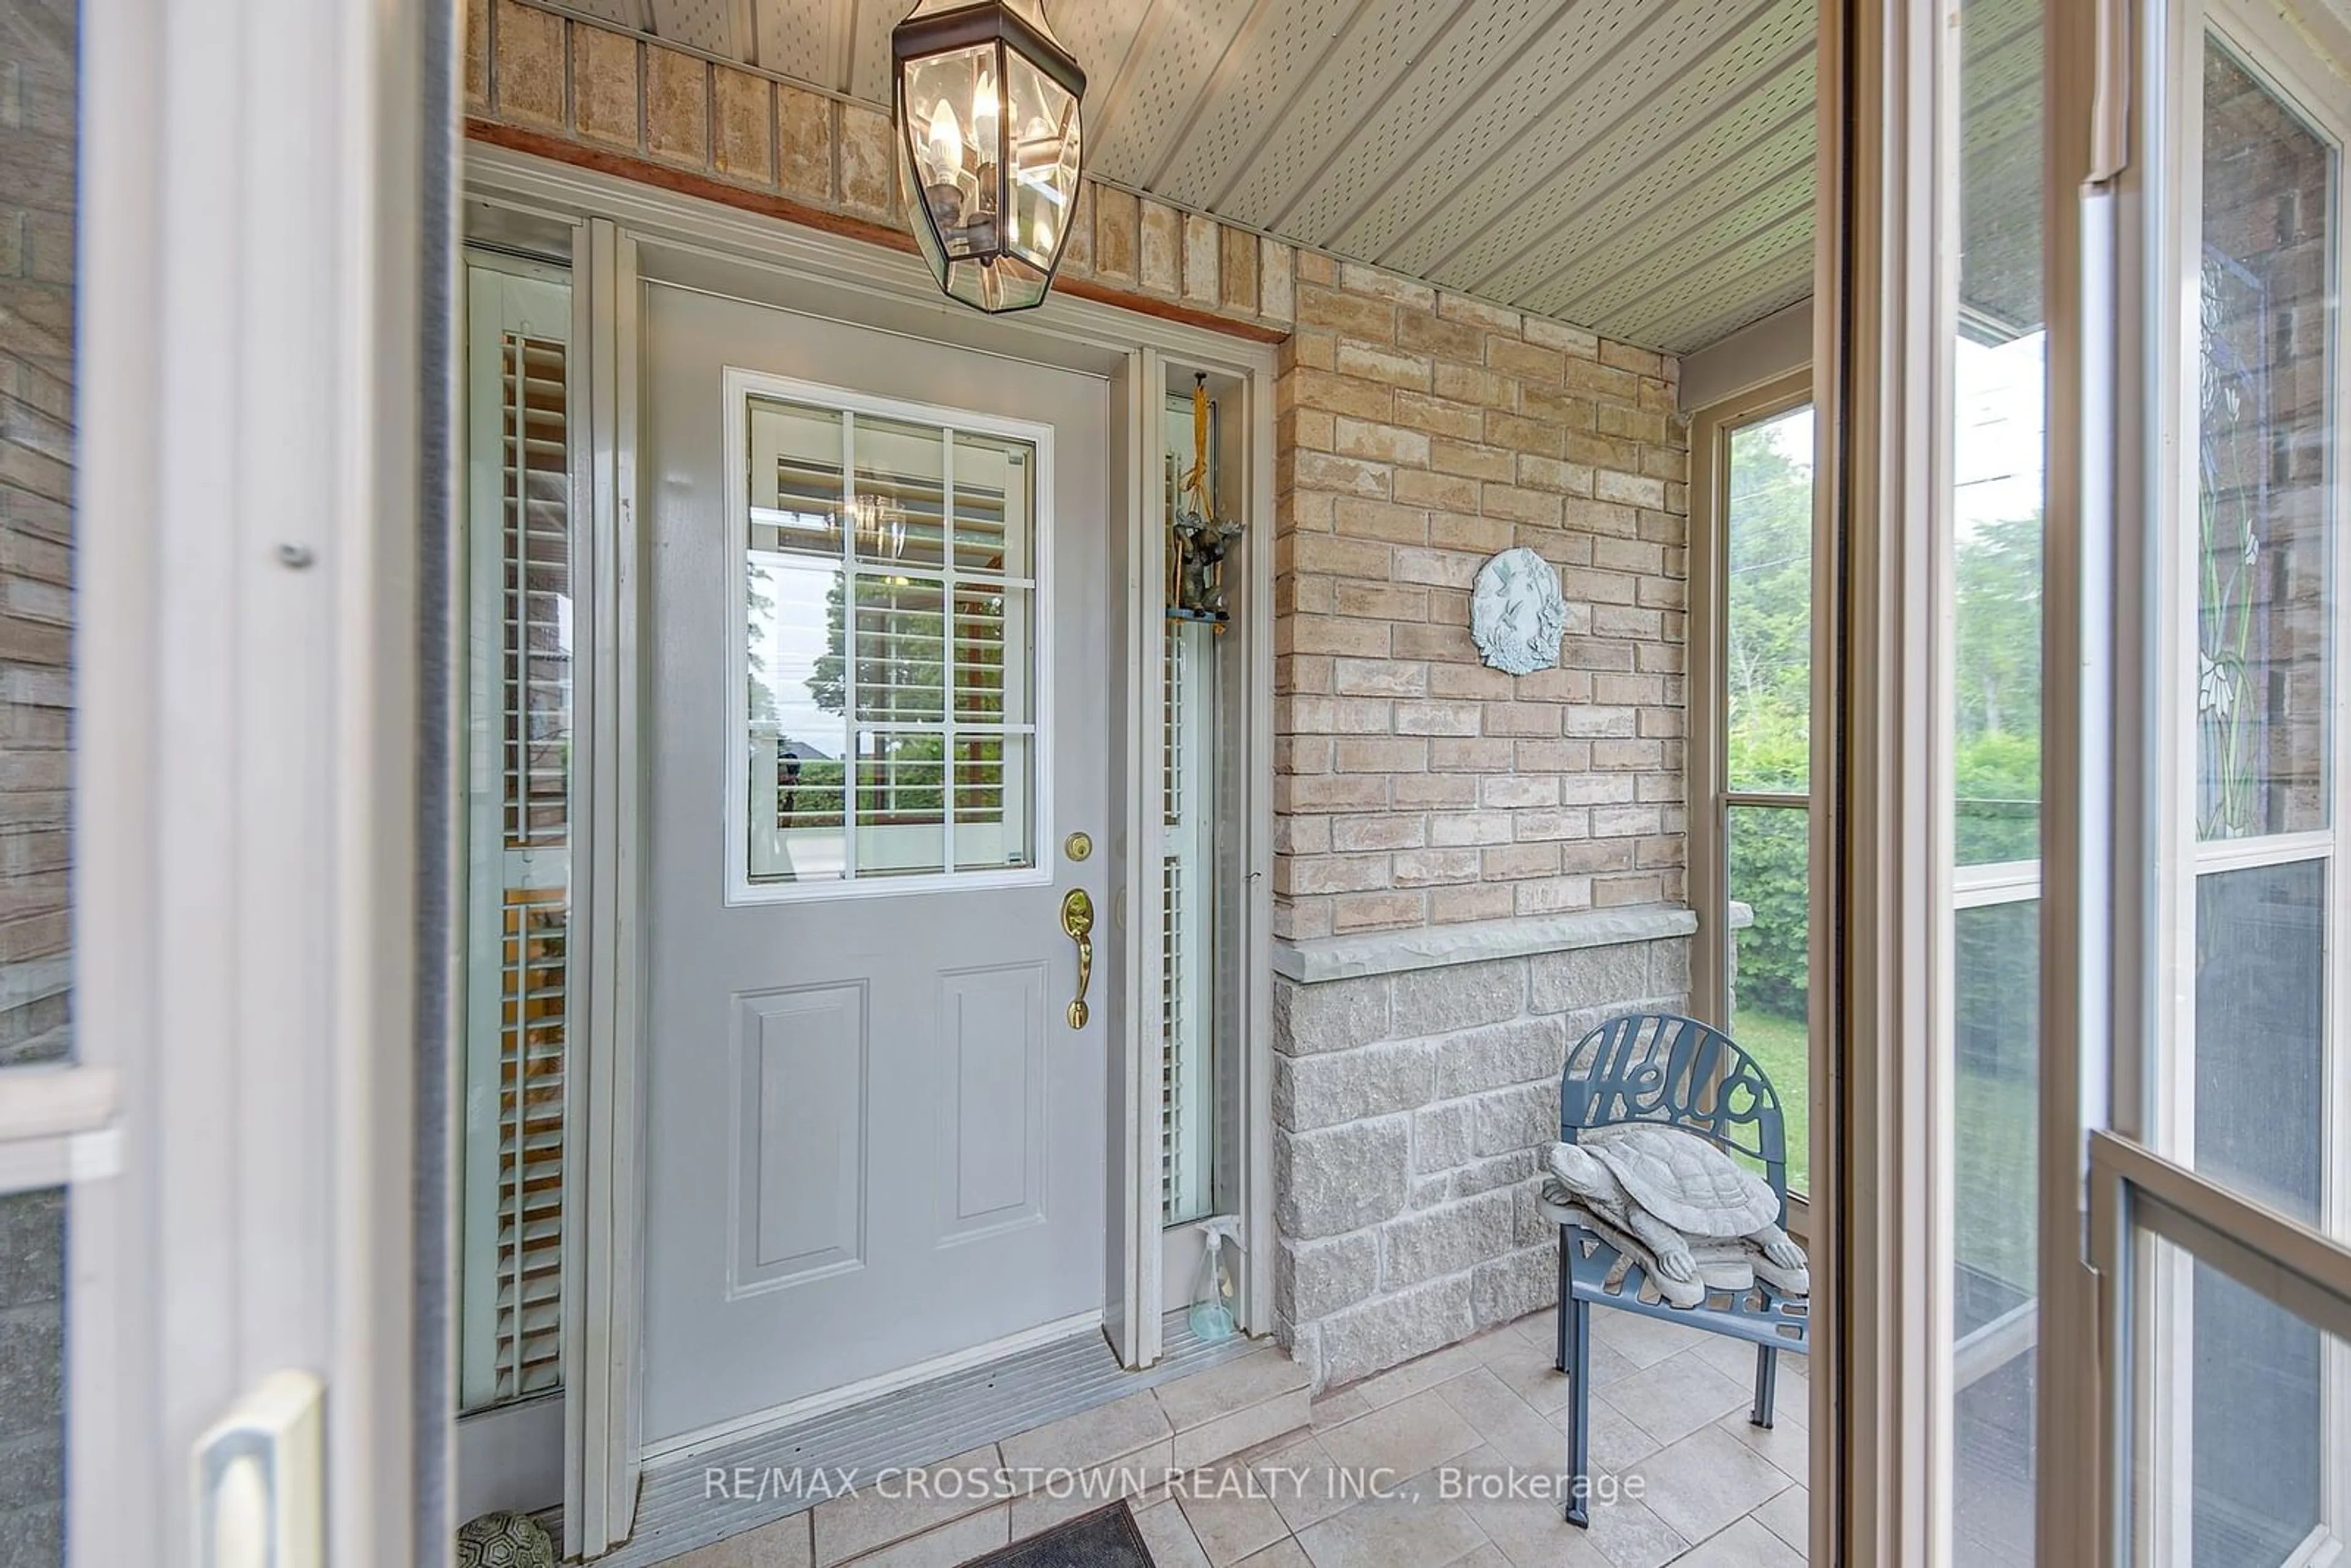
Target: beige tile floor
{"points": [[1694, 1483], [1669, 1423]]}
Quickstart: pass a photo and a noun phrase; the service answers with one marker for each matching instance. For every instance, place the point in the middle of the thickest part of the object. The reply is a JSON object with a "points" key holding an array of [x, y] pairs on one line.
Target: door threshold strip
{"points": [[733, 1436], [680, 1507]]}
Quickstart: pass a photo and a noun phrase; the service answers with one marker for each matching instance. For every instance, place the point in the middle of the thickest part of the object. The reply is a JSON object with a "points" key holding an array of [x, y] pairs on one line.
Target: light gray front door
{"points": [[875, 710]]}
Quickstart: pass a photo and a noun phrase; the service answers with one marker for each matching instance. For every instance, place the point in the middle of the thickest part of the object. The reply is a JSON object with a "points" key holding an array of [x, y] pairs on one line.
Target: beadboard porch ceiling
{"points": [[1642, 168]]}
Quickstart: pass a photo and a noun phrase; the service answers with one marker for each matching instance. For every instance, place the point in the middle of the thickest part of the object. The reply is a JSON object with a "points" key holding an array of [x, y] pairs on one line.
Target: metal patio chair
{"points": [[1661, 1067]]}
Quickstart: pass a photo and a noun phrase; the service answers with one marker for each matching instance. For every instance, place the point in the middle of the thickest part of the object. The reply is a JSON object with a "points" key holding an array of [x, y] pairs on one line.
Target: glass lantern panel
{"points": [[1043, 122], [1007, 284], [952, 135], [927, 238]]}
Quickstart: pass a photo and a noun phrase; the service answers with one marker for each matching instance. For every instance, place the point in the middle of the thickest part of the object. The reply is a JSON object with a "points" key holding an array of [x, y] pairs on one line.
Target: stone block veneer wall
{"points": [[1416, 1084]]}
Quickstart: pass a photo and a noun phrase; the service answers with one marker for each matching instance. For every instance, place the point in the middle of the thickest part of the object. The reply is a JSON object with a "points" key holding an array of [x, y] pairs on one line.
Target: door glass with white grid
{"points": [[890, 676]]}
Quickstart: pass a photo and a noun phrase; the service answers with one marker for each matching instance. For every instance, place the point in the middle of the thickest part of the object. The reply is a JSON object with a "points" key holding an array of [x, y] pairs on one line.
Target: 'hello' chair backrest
{"points": [[1662, 1067]]}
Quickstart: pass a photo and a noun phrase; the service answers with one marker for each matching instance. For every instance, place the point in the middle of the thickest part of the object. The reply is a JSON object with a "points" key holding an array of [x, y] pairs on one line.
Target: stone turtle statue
{"points": [[1668, 1188], [504, 1539]]}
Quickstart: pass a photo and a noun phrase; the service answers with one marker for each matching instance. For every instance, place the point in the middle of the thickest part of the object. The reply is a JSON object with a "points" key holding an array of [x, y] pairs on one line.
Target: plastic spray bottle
{"points": [[1211, 1316]]}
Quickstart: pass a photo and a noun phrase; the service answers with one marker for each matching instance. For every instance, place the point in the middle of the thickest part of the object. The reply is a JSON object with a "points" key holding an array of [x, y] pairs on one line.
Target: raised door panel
{"points": [[802, 1070], [992, 1058]]}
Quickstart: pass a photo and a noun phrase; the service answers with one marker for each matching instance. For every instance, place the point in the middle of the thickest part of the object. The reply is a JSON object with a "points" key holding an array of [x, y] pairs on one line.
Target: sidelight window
{"points": [[518, 741]]}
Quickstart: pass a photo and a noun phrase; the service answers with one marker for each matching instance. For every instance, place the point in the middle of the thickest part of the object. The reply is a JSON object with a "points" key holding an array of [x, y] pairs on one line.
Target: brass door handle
{"points": [[1078, 925]]}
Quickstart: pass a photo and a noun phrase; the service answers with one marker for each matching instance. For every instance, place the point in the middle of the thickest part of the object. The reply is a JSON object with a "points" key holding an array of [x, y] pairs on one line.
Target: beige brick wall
{"points": [[37, 76], [1421, 432], [37, 423]]}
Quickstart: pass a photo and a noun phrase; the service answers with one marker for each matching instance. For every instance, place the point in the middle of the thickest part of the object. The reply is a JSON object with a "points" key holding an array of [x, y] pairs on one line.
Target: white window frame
{"points": [[2256, 45], [742, 385], [491, 867], [2186, 860], [57, 1125], [1711, 430], [1708, 750]]}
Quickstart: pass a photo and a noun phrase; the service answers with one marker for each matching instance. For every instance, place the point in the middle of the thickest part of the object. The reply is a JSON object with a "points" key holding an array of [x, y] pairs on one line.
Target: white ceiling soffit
{"points": [[1639, 167]]}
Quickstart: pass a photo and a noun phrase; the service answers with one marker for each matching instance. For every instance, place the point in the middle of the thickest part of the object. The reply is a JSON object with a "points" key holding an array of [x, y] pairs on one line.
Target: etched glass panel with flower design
{"points": [[2251, 1093], [2264, 464]]}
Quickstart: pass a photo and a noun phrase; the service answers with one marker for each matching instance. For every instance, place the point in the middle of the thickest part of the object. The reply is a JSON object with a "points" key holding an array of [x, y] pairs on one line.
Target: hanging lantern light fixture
{"points": [[987, 146]]}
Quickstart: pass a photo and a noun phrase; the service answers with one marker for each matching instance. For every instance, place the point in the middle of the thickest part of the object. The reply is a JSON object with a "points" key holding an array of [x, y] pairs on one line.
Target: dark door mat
{"points": [[1104, 1539]]}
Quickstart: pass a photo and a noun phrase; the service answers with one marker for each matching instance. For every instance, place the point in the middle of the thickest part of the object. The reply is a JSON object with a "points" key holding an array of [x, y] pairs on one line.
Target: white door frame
{"points": [[263, 291], [624, 236]]}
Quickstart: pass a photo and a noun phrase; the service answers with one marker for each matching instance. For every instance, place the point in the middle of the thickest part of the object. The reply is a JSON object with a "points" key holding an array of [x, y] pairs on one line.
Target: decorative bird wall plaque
{"points": [[1517, 613]]}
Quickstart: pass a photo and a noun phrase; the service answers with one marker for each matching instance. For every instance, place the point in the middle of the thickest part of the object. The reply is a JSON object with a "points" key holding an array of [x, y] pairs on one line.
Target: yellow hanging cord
{"points": [[1197, 481]]}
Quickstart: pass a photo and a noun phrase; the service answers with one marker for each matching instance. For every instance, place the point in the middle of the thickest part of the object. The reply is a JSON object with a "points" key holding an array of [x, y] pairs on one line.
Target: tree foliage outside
{"points": [[1767, 657], [1768, 854], [1768, 692], [903, 676]]}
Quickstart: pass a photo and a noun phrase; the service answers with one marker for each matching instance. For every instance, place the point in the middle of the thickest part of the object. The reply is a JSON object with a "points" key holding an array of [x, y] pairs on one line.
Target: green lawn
{"points": [[1996, 1163], [1779, 1049]]}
